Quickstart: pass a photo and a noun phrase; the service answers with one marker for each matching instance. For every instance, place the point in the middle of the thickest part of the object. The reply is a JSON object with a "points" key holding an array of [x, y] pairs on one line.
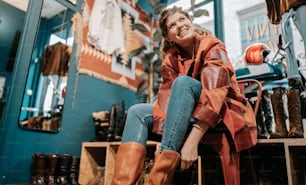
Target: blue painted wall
{"points": [[85, 95], [12, 20]]}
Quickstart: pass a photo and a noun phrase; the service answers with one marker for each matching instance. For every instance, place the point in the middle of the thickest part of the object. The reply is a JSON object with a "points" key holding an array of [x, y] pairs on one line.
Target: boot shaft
{"points": [[74, 170], [116, 122], [129, 163], [38, 169], [63, 165], [277, 99], [267, 110], [294, 105], [295, 117], [120, 120], [112, 123], [52, 163], [163, 169], [39, 163], [279, 113]]}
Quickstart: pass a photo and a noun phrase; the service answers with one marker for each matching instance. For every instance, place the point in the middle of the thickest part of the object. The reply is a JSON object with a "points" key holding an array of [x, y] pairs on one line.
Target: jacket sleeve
{"points": [[217, 76]]}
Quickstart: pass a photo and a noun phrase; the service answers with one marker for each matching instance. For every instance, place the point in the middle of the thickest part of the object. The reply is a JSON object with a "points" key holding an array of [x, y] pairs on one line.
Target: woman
{"points": [[197, 79]]}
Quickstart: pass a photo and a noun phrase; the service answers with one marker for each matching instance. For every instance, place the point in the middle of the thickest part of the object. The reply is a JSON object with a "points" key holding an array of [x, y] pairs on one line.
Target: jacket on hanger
{"points": [[55, 60]]}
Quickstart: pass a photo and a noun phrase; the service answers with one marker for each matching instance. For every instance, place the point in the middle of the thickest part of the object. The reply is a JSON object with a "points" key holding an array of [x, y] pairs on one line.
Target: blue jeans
{"points": [[185, 93]]}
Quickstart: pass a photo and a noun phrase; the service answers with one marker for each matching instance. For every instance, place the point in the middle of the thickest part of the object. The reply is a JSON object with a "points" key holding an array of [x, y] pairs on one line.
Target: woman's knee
{"points": [[186, 82], [137, 108], [181, 80], [139, 112]]}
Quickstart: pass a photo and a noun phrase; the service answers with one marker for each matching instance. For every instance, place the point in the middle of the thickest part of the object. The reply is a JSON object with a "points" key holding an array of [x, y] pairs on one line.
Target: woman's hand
{"points": [[189, 152]]}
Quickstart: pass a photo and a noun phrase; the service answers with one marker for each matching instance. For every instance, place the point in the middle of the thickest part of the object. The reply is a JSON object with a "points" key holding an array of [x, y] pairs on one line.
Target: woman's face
{"points": [[179, 29]]}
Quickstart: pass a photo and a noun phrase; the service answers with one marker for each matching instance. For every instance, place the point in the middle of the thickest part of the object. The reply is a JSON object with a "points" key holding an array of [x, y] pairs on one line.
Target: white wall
{"points": [[232, 26], [231, 22]]}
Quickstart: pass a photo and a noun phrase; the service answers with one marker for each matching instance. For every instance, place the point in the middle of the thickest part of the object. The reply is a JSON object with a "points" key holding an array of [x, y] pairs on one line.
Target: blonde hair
{"points": [[201, 31]]}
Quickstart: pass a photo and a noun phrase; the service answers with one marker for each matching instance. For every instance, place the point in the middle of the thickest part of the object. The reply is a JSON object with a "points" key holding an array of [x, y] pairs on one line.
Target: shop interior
{"points": [[57, 117]]}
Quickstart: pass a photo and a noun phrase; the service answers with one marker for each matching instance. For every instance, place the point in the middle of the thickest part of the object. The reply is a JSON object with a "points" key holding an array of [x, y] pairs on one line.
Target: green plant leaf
{"points": [[153, 3], [142, 88], [157, 64], [157, 36], [146, 64], [137, 51], [159, 8], [200, 12], [156, 50], [140, 27], [143, 76]]}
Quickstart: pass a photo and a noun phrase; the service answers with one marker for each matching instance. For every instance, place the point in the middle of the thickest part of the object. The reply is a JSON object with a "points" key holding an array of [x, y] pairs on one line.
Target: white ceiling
{"points": [[20, 4], [50, 7]]}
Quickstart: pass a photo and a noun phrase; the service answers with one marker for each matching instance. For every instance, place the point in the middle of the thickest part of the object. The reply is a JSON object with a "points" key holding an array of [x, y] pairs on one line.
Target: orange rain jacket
{"points": [[220, 100]]}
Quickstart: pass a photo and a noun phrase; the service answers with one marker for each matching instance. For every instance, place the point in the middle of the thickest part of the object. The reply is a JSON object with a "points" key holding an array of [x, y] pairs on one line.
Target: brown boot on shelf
{"points": [[279, 114], [120, 120], [163, 169], [295, 118], [74, 171], [129, 163], [112, 122], [267, 109], [38, 169], [262, 132], [63, 169], [52, 160]]}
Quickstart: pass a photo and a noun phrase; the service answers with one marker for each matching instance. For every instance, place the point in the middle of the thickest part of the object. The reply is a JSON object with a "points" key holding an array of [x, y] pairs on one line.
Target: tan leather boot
{"points": [[295, 118], [163, 169], [129, 163], [279, 114]]}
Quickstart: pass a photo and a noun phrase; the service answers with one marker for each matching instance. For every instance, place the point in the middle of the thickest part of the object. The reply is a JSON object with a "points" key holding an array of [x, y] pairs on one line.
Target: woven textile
{"points": [[119, 69]]}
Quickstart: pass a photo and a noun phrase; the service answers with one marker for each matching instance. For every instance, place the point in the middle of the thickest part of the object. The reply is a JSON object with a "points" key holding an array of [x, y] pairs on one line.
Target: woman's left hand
{"points": [[189, 154]]}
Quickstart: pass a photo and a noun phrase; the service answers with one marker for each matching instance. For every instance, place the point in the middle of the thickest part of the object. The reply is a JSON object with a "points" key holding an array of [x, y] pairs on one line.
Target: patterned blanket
{"points": [[120, 70]]}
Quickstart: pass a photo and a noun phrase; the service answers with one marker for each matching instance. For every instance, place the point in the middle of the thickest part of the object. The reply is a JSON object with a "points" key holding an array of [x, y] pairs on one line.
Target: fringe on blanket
{"points": [[77, 21]]}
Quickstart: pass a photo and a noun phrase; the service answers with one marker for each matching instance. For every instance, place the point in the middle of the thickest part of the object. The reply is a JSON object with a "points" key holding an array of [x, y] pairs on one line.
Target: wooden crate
{"points": [[103, 154]]}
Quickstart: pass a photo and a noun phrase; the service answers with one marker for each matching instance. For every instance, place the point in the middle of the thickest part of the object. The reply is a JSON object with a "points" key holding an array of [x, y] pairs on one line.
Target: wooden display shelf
{"points": [[284, 160], [103, 154], [289, 154]]}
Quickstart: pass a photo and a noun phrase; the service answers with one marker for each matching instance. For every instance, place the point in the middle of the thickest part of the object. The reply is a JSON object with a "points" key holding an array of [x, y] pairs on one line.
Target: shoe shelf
{"points": [[275, 161], [94, 154], [283, 160]]}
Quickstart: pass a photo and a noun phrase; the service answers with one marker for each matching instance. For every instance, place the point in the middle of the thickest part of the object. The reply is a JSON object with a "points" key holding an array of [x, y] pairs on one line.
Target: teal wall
{"points": [[85, 95], [12, 20]]}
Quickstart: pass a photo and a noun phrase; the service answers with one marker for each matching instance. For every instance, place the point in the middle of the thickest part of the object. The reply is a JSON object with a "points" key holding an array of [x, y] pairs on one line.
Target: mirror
{"points": [[45, 90]]}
